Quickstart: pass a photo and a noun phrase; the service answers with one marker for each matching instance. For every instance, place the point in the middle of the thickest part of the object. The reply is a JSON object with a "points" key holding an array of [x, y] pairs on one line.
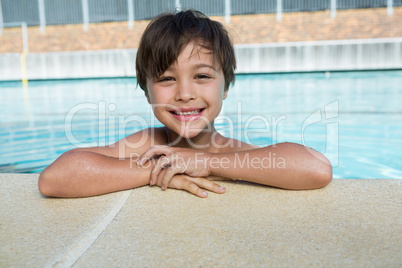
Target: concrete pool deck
{"points": [[349, 223]]}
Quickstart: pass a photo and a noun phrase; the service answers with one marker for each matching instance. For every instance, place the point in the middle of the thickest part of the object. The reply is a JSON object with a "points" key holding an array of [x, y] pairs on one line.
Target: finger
{"points": [[158, 181], [170, 171], [162, 163], [208, 185], [194, 189], [151, 152]]}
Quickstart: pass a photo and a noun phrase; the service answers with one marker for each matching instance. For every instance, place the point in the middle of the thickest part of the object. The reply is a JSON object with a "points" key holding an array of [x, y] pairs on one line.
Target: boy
{"points": [[185, 64]]}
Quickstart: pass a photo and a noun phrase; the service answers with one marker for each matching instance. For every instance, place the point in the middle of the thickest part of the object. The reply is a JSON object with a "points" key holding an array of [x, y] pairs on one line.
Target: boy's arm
{"points": [[80, 173], [93, 171], [284, 165], [84, 173], [98, 170]]}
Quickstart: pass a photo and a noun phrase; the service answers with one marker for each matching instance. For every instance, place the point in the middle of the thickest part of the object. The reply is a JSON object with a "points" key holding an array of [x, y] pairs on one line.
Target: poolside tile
{"points": [[349, 222], [34, 230]]}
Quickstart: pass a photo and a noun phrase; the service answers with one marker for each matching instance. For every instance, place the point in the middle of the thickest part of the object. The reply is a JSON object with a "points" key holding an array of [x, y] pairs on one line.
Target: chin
{"points": [[189, 134]]}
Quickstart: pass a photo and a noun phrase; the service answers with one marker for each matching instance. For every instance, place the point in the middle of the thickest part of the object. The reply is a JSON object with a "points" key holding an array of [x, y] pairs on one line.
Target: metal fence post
{"points": [[130, 14], [227, 11], [24, 76], [333, 8], [178, 5], [278, 10], [85, 15], [1, 20], [24, 29], [390, 8], [42, 15]]}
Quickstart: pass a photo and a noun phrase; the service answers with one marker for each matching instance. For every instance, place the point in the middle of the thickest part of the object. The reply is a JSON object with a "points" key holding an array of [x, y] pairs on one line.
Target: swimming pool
{"points": [[354, 118]]}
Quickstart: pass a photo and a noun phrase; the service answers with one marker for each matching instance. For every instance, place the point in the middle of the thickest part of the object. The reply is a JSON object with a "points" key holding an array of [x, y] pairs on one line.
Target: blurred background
{"points": [[109, 31], [71, 25]]}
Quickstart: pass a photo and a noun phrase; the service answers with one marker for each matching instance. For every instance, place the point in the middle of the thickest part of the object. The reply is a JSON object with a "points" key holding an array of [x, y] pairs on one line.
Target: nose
{"points": [[185, 91]]}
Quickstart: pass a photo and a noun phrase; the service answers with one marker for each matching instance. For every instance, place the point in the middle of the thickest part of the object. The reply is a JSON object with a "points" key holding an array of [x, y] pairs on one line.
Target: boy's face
{"points": [[188, 96]]}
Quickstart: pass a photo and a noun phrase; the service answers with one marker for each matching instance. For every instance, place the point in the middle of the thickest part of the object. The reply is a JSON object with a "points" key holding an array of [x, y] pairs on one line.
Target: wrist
{"points": [[217, 163], [201, 162], [208, 156], [142, 172]]}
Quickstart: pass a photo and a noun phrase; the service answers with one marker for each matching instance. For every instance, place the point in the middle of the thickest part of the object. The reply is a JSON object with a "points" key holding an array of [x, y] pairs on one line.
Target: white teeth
{"points": [[188, 113]]}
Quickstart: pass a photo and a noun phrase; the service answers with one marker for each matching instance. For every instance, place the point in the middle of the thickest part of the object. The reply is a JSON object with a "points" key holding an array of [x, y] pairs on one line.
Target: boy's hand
{"points": [[171, 161], [194, 185]]}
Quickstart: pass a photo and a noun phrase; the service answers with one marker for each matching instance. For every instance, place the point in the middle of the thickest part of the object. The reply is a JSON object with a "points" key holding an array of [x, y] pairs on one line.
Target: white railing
{"points": [[48, 12], [335, 55]]}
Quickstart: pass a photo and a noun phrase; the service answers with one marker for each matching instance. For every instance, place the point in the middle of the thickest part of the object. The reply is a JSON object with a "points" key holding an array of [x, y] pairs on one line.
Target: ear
{"points": [[147, 96], [225, 93]]}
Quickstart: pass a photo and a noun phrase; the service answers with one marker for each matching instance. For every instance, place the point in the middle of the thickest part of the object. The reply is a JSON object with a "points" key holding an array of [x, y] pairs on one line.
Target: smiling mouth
{"points": [[187, 113]]}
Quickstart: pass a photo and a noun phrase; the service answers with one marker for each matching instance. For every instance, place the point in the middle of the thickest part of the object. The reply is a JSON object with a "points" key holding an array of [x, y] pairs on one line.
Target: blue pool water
{"points": [[354, 118]]}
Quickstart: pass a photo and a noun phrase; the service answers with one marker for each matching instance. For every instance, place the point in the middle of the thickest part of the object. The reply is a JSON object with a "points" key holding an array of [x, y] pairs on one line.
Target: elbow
{"points": [[52, 179], [44, 184], [323, 178], [323, 174], [47, 183], [319, 169]]}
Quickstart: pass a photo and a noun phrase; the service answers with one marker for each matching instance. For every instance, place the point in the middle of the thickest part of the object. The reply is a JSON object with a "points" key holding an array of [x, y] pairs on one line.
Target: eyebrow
{"points": [[198, 66], [203, 65]]}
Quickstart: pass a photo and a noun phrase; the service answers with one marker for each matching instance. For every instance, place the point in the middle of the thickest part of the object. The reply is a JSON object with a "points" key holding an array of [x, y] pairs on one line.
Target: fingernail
{"points": [[138, 162], [222, 188], [204, 194]]}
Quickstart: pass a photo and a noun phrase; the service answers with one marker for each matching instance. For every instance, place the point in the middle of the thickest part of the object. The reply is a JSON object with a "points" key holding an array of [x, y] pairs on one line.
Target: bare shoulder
{"points": [[134, 144], [139, 142]]}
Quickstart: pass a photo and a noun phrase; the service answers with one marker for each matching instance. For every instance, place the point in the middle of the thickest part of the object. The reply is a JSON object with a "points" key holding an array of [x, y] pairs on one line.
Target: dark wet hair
{"points": [[169, 33]]}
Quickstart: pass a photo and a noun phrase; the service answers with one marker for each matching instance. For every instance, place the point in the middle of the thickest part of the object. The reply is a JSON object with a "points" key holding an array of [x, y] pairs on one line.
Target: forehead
{"points": [[194, 53]]}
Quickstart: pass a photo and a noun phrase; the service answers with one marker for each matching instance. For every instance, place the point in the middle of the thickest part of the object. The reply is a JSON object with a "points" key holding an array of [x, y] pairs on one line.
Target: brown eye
{"points": [[165, 79], [202, 76]]}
